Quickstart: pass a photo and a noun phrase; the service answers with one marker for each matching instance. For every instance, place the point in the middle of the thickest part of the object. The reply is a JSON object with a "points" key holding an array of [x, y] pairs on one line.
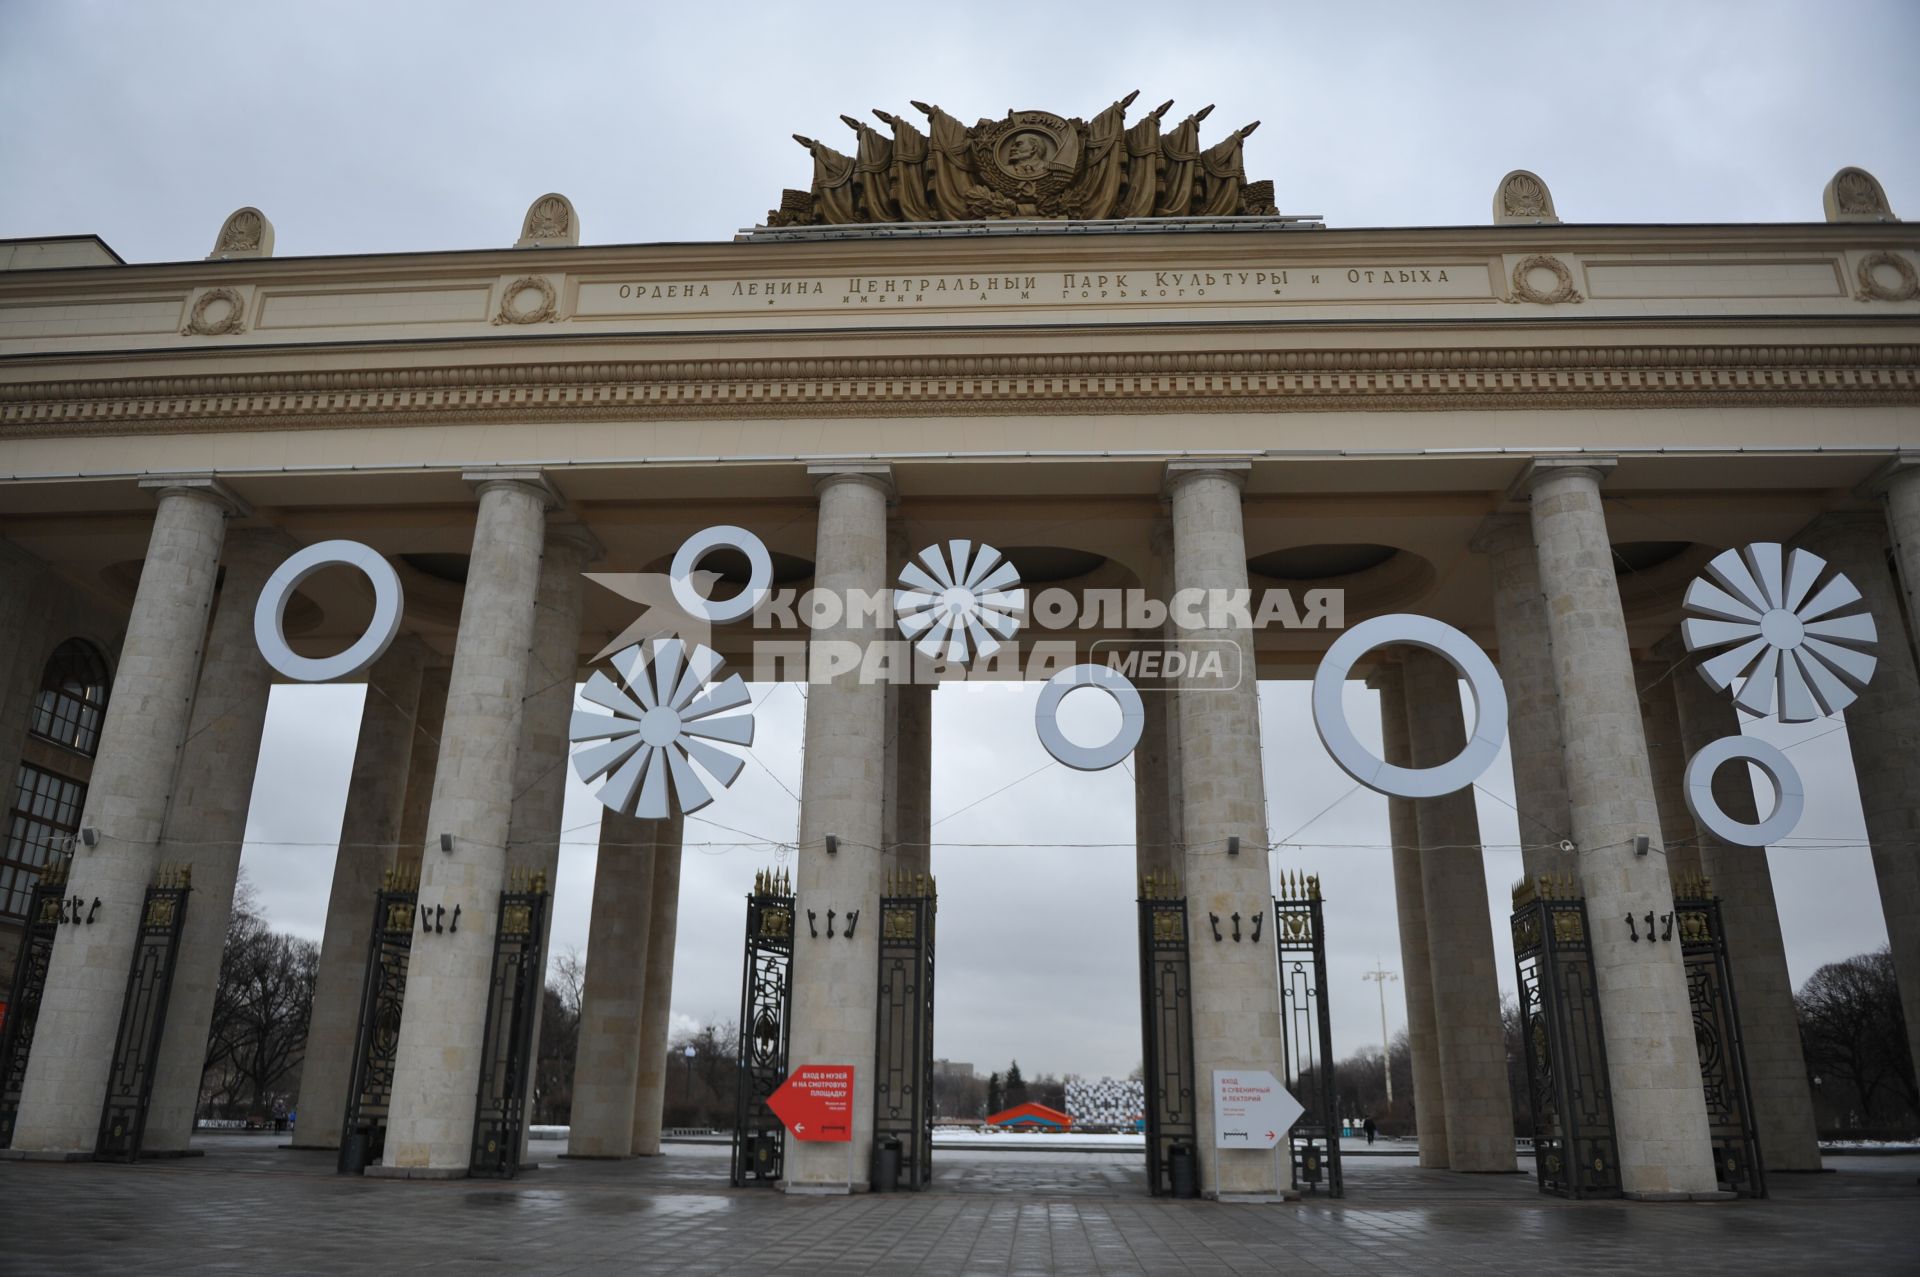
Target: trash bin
{"points": [[353, 1159], [1183, 1171], [886, 1165]]}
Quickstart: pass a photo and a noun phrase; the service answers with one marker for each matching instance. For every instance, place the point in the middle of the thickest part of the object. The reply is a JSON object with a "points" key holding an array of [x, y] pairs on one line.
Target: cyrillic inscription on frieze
{"points": [[1120, 286]]}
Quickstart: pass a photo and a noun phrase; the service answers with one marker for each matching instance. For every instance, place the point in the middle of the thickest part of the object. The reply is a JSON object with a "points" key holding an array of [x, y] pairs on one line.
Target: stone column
{"points": [[1533, 703], [656, 1014], [1660, 1116], [912, 777], [1763, 991], [1154, 836], [608, 1061], [540, 764], [428, 721], [1654, 682], [1236, 990], [430, 1122], [1159, 826], [207, 825], [1900, 487], [842, 789], [369, 832], [1409, 902], [1883, 731], [140, 741], [1453, 884]]}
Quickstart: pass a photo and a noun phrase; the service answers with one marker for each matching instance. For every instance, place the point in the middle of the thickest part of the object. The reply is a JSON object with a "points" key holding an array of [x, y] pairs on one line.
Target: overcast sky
{"points": [[415, 126]]}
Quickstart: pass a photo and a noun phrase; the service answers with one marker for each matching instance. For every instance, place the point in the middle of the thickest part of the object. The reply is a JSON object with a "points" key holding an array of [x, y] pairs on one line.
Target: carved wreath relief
{"points": [[217, 312], [1873, 273], [529, 300], [1524, 289]]}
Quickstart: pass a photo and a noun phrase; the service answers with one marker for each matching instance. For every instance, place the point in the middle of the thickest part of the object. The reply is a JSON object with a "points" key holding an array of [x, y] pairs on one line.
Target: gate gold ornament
{"points": [[1030, 164]]}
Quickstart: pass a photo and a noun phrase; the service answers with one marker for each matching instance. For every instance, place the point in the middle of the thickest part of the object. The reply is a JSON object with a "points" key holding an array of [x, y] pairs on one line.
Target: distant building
{"points": [[944, 1070]]}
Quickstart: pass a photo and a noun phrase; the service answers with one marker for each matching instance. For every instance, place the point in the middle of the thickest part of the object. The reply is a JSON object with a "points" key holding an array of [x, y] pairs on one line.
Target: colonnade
{"points": [[471, 789]]}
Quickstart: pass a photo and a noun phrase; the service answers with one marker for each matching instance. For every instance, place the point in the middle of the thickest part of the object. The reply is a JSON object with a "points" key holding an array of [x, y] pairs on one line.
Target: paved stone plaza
{"points": [[251, 1207]]}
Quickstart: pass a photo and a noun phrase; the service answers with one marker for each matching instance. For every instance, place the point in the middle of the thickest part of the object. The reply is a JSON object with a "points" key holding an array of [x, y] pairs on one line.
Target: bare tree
{"points": [[559, 1039], [262, 1004], [1855, 1037]]}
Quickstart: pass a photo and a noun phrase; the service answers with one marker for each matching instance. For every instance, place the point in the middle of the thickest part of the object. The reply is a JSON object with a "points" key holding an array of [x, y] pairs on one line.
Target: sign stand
{"points": [[815, 1104]]}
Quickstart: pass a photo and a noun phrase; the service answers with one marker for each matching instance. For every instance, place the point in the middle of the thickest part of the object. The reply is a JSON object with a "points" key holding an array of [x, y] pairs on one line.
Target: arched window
{"points": [[73, 697]]}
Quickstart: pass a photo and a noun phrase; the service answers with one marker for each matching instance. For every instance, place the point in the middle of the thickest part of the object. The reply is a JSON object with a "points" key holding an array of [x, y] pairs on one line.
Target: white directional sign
{"points": [[1251, 1109]]}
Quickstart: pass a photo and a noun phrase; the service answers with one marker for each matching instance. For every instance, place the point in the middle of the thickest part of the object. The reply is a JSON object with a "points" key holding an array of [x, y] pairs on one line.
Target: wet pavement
{"points": [[251, 1207]]}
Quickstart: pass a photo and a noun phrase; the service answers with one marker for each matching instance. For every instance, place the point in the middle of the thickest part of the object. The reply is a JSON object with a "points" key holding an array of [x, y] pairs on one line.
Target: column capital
{"points": [[208, 487], [1387, 675], [1868, 527], [1541, 469], [1234, 470], [873, 475], [578, 536], [1902, 469], [531, 478], [1499, 533]]}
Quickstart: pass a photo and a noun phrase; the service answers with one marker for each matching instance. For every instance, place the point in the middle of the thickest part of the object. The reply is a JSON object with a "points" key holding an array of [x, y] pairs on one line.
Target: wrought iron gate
{"points": [[1716, 1031], [143, 1016], [47, 908], [1575, 1150], [375, 1046], [1306, 1034], [903, 1049], [513, 1000], [1166, 1024], [766, 997]]}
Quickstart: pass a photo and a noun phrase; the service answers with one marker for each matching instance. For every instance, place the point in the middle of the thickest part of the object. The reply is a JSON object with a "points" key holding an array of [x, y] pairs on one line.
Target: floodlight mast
{"points": [[1380, 975]]}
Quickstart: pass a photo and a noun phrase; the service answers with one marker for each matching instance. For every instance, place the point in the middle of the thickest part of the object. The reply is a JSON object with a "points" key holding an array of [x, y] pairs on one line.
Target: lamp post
{"points": [[1380, 975], [689, 1087]]}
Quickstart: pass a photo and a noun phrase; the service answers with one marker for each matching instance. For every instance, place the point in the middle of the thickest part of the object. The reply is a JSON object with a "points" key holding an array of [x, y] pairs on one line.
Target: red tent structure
{"points": [[1032, 1117]]}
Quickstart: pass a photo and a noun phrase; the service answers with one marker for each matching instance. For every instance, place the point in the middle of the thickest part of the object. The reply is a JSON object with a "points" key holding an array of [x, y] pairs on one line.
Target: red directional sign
{"points": [[816, 1103]]}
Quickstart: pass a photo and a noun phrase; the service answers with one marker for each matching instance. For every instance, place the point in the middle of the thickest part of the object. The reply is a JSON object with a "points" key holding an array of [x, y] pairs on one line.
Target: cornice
{"points": [[1451, 378], [931, 255]]}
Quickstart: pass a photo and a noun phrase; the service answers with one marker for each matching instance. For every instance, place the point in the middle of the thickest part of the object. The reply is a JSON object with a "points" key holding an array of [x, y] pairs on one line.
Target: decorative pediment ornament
{"points": [[1526, 290], [1523, 197], [245, 233], [1855, 195], [218, 312], [531, 299], [1028, 164], [1886, 277], [549, 222]]}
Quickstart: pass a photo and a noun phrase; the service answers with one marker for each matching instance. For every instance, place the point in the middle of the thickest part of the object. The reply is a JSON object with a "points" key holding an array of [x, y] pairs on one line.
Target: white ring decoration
{"points": [[270, 614], [1089, 758], [697, 547], [1790, 796], [1461, 652]]}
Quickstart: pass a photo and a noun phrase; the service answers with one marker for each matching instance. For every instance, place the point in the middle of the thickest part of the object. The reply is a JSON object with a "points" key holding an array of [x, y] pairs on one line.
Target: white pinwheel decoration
{"points": [[961, 603], [657, 734], [1799, 657]]}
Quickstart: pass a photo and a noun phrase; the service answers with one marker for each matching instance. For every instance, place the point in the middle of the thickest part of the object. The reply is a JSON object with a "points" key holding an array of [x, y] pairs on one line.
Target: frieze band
{"points": [[1228, 381]]}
